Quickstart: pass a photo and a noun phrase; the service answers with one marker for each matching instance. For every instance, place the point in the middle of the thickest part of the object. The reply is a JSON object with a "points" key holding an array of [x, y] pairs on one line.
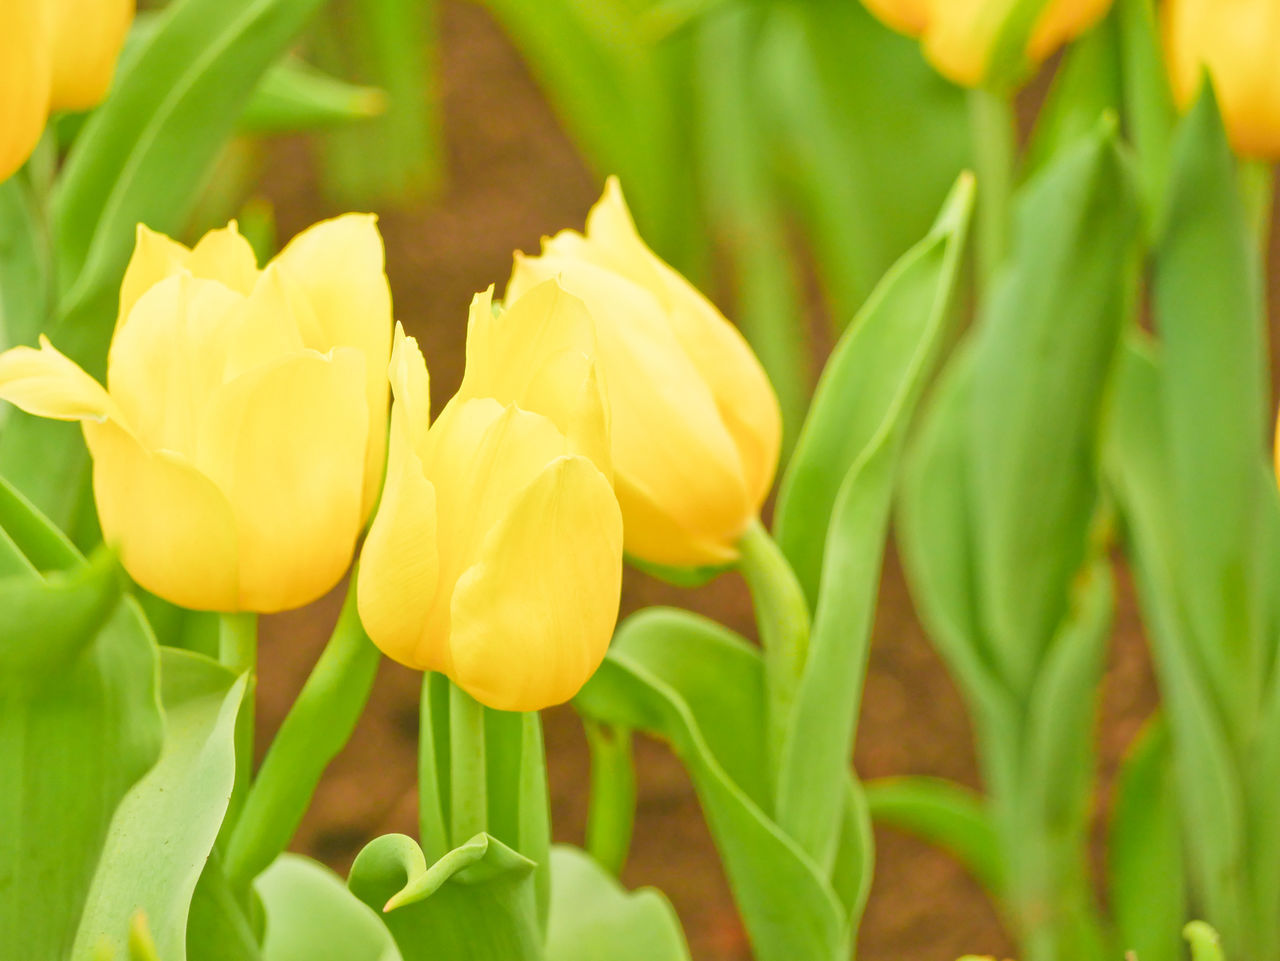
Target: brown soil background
{"points": [[512, 177]]}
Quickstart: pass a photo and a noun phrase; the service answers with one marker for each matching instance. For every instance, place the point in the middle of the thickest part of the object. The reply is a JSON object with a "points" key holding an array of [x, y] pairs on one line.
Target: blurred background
{"points": [[765, 152]]}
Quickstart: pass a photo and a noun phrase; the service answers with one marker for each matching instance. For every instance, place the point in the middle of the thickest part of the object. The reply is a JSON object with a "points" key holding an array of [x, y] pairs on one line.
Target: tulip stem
{"points": [[994, 138], [468, 789], [314, 731], [611, 816], [238, 650], [782, 617]]}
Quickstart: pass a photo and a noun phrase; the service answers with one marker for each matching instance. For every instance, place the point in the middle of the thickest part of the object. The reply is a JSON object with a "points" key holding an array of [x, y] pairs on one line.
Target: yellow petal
{"points": [[154, 258], [1062, 21], [25, 65], [411, 385], [340, 264], [172, 526], [225, 256], [86, 36], [400, 561], [285, 445], [907, 16], [46, 383], [539, 355], [532, 620], [170, 356]]}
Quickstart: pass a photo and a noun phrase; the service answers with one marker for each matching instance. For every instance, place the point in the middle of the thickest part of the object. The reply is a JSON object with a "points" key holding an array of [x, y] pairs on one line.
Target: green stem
{"points": [[315, 730], [469, 802], [611, 816], [782, 615], [238, 650], [995, 146]]}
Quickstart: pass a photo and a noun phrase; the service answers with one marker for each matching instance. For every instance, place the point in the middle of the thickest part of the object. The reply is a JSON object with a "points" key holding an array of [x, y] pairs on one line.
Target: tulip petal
{"points": [[225, 256], [87, 36], [532, 620], [539, 355], [400, 560], [906, 16], [170, 356], [411, 385], [47, 383], [173, 528], [25, 65], [154, 258], [286, 446], [340, 264]]}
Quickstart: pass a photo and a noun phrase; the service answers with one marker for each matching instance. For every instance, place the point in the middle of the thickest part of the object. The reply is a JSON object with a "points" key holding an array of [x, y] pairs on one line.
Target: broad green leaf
{"points": [[946, 815], [853, 437], [390, 45], [40, 540], [593, 917], [311, 916], [1210, 793], [1144, 853], [294, 95], [1214, 397], [700, 687], [165, 827], [316, 728], [25, 277], [835, 80], [218, 928], [80, 723], [1042, 357], [477, 903]]}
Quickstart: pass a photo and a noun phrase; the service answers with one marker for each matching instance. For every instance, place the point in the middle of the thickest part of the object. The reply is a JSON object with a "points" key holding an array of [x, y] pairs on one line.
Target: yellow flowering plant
{"points": [[200, 429]]}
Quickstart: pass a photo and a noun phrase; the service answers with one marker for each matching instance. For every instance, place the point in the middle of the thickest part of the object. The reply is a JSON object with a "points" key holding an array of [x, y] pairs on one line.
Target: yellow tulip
{"points": [[958, 35], [54, 55], [495, 555], [238, 446], [695, 423], [1238, 41]]}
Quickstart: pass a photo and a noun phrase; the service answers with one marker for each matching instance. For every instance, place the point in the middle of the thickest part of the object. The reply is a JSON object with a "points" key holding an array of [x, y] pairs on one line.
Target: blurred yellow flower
{"points": [[54, 55], [958, 36], [495, 556], [695, 423], [239, 444], [1238, 41]]}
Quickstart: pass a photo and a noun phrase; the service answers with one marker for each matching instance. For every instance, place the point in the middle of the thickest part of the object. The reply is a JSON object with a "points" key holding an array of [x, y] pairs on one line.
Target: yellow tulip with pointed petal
{"points": [[1238, 42], [694, 421], [958, 36], [54, 55], [495, 555], [239, 444]]}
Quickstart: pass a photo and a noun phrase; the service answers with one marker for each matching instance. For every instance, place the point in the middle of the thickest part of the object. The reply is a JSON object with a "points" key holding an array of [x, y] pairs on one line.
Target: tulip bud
{"points": [[1238, 41], [695, 424], [239, 443], [495, 555], [960, 36], [54, 55]]}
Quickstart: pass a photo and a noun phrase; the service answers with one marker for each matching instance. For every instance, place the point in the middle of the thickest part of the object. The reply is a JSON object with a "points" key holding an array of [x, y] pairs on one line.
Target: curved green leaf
{"points": [[593, 917], [165, 827]]}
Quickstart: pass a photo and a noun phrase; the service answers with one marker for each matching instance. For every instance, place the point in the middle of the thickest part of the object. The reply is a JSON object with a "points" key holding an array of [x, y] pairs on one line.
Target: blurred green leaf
{"points": [[477, 903], [80, 722], [1149, 112], [946, 815], [592, 917], [1043, 354], [1214, 399], [45, 546], [311, 916], [833, 511], [26, 278], [701, 687], [165, 827], [294, 95], [1144, 850]]}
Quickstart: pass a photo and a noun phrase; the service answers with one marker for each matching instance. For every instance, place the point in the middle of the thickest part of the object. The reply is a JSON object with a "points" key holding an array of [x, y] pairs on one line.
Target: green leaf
{"points": [[218, 928], [592, 917], [1214, 400], [80, 722], [165, 827], [477, 903], [700, 687], [947, 816], [1145, 869], [1204, 941], [25, 277], [35, 535], [853, 438], [294, 95], [311, 916], [1043, 354], [1149, 112]]}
